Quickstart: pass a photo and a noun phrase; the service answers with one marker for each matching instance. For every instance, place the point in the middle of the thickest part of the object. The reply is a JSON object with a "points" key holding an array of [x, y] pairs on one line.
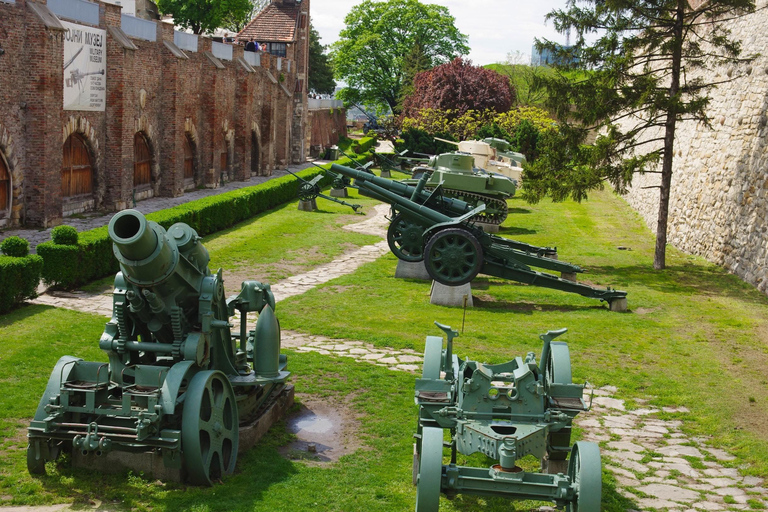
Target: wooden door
{"points": [[224, 161], [76, 174], [189, 160], [5, 186], [142, 162]]}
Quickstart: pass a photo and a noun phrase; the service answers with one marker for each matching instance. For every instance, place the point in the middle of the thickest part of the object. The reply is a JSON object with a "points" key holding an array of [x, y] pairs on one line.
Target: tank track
{"points": [[500, 205]]}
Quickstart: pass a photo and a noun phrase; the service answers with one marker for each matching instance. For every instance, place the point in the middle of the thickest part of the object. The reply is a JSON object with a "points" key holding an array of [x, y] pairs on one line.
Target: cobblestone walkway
{"points": [[655, 464]]}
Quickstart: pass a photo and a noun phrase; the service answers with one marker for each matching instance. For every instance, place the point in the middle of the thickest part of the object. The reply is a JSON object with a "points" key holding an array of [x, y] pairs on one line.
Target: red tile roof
{"points": [[275, 24]]}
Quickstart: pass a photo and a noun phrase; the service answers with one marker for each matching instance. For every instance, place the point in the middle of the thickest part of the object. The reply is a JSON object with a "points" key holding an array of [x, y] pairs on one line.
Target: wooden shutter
{"points": [[76, 174], [142, 162], [5, 186], [189, 160]]}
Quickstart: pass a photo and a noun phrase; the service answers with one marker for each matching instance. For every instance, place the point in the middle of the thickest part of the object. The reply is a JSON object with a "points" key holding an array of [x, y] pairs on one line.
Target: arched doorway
{"points": [[189, 160], [142, 162], [76, 173], [5, 186], [255, 163]]}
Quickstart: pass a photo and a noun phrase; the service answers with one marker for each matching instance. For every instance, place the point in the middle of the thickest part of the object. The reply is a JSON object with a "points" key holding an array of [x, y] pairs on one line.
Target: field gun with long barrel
{"points": [[178, 382], [455, 250], [506, 412], [310, 190]]}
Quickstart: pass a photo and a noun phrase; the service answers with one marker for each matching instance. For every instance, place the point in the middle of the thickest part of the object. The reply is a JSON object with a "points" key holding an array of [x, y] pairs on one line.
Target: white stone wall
{"points": [[719, 197]]}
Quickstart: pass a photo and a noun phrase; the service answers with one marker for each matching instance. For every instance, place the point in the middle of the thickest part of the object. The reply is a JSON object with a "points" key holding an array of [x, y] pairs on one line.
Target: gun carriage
{"points": [[178, 382], [440, 231], [505, 411], [310, 190]]}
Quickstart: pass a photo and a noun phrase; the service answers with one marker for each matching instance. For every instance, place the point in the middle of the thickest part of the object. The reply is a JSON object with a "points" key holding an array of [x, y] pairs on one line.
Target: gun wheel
{"points": [[557, 370], [209, 428], [453, 257], [308, 192], [38, 453], [430, 470], [585, 471], [405, 237]]}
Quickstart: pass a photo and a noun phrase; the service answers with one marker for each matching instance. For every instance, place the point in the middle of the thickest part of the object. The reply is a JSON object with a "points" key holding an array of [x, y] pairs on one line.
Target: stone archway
{"points": [[191, 159], [10, 215], [256, 163]]}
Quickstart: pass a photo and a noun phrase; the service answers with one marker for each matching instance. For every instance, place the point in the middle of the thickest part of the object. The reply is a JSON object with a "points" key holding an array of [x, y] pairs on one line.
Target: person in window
{"points": [[250, 46]]}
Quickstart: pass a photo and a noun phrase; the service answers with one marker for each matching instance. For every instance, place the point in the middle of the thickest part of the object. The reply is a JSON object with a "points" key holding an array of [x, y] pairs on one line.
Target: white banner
{"points": [[85, 68]]}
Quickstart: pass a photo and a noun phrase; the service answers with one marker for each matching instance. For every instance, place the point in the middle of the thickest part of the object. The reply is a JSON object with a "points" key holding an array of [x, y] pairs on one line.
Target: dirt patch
{"points": [[325, 430], [646, 311], [490, 302]]}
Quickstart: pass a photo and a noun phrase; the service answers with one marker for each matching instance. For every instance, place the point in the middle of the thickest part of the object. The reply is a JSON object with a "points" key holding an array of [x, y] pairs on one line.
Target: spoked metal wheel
{"points": [[308, 192], [405, 237], [585, 471], [453, 256], [209, 431], [557, 370], [430, 470]]}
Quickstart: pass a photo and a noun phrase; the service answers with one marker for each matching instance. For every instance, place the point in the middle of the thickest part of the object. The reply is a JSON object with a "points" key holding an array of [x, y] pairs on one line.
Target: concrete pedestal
{"points": [[488, 228], [442, 295], [411, 270], [385, 173], [339, 192], [618, 305], [308, 206], [568, 276], [151, 462]]}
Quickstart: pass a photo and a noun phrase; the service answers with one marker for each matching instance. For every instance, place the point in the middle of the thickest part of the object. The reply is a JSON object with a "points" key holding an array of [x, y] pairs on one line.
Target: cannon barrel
{"points": [[149, 255], [454, 207]]}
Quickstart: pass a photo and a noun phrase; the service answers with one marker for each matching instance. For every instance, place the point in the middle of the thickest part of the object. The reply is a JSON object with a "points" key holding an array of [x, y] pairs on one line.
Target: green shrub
{"points": [[15, 246], [69, 266], [19, 277], [526, 140], [416, 140], [64, 235]]}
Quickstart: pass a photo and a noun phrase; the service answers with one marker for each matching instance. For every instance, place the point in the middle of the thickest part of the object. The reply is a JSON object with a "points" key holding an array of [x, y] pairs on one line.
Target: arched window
{"points": [[189, 160], [5, 186], [142, 162], [76, 175], [254, 154]]}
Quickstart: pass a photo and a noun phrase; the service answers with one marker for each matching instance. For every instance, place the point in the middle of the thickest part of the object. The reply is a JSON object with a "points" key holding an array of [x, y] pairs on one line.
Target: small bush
{"points": [[526, 140], [15, 246], [64, 235], [19, 277]]}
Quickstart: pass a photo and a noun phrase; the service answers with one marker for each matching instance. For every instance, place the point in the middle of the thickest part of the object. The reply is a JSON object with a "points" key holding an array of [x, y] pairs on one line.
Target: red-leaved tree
{"points": [[459, 86]]}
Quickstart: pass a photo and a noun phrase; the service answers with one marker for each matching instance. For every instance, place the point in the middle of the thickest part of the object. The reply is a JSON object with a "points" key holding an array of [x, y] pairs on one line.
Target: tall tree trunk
{"points": [[659, 256]]}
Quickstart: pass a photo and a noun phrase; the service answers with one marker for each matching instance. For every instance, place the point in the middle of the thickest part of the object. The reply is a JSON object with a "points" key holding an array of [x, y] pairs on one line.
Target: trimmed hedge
{"points": [[69, 266], [19, 278]]}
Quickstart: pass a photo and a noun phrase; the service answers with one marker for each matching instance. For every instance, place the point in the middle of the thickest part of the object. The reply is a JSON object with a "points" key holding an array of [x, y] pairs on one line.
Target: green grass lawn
{"points": [[694, 336]]}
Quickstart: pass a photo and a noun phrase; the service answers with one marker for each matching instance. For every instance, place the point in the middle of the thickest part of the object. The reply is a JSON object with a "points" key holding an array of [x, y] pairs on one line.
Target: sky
{"points": [[495, 27]]}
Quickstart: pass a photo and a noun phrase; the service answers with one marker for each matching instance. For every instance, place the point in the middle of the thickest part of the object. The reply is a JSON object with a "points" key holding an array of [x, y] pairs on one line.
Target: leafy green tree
{"points": [[320, 79], [371, 52], [204, 16], [646, 70], [414, 63]]}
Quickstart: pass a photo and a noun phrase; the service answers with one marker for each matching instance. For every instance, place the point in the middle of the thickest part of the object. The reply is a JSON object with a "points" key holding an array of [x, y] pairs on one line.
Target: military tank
{"points": [[460, 179], [494, 156]]}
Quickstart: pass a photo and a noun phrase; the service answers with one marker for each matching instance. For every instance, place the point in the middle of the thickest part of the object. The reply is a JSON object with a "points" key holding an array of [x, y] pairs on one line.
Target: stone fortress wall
{"points": [[719, 197], [207, 111]]}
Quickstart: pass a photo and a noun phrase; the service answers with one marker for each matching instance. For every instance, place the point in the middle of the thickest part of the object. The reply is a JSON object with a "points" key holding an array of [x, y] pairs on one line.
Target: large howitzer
{"points": [[506, 412], [178, 381], [310, 190], [454, 250]]}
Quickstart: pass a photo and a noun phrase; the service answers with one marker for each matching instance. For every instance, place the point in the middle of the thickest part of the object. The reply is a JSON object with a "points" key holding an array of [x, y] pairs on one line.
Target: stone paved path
{"points": [[655, 464]]}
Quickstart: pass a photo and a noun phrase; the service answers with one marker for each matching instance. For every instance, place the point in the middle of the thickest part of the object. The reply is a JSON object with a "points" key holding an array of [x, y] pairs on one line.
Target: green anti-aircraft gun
{"points": [[441, 232], [506, 412], [178, 382]]}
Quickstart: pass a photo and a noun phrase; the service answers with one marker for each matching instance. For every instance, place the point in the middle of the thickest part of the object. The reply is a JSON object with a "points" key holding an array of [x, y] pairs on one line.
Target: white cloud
{"points": [[494, 27]]}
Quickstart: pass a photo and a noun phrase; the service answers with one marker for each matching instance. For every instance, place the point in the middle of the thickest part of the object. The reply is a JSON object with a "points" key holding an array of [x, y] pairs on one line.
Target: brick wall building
{"points": [[180, 111]]}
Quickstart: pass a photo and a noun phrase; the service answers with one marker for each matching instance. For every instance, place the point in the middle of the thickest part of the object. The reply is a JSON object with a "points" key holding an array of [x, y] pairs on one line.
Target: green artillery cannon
{"points": [[454, 250], [506, 412], [178, 381], [310, 190], [461, 180]]}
